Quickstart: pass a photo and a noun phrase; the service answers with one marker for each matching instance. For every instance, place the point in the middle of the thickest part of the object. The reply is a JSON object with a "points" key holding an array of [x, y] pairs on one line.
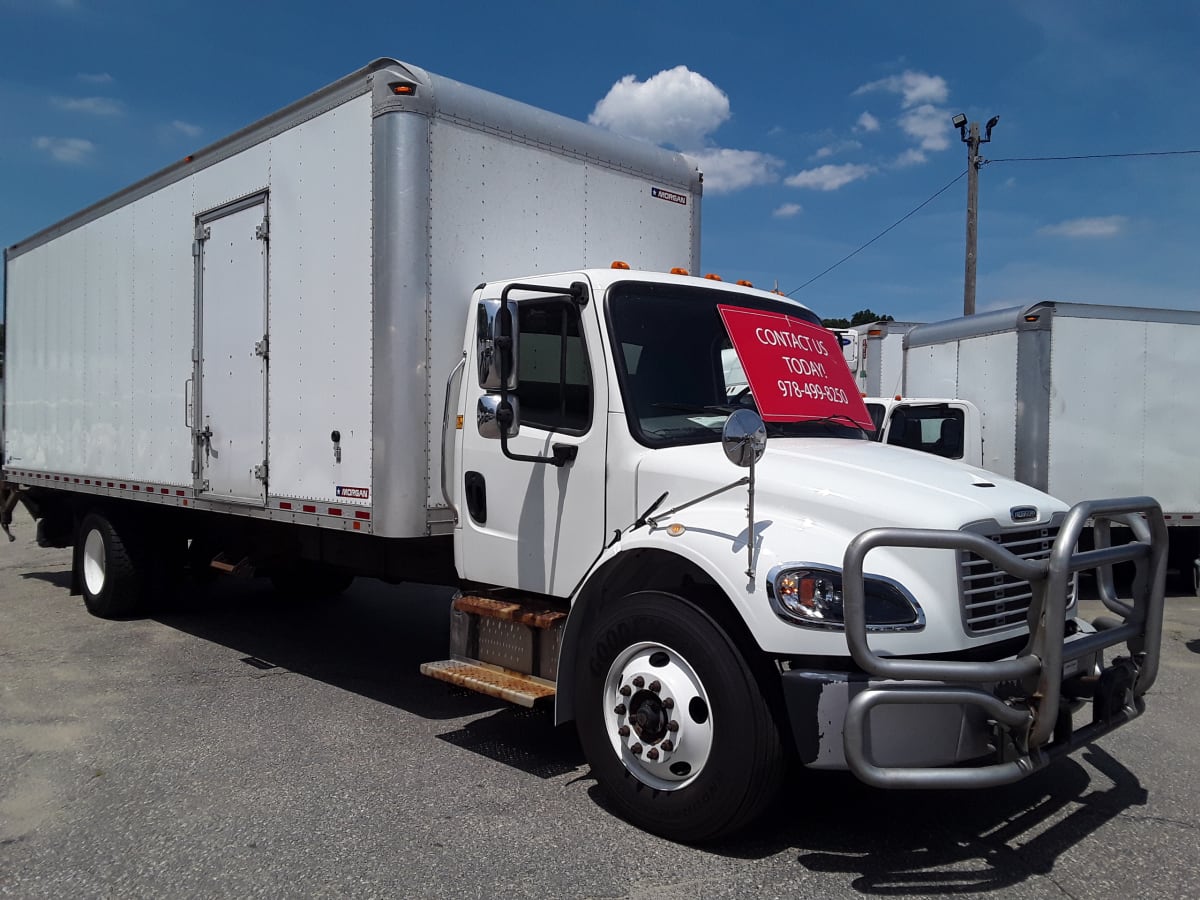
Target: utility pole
{"points": [[974, 164]]}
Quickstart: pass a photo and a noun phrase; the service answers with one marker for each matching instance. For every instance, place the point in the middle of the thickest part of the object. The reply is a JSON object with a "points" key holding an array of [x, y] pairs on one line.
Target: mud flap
{"points": [[8, 502]]}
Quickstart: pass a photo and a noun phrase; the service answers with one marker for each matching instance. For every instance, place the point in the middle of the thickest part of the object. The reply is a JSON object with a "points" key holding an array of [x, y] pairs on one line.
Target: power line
{"points": [[1094, 156], [958, 178], [862, 247]]}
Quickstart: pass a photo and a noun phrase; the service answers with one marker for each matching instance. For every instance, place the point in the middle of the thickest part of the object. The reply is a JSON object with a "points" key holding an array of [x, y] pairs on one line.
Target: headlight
{"points": [[807, 595]]}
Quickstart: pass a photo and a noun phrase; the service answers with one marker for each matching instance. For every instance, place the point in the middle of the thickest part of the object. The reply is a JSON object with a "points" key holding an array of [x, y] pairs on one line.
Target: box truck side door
{"points": [[529, 524], [231, 371]]}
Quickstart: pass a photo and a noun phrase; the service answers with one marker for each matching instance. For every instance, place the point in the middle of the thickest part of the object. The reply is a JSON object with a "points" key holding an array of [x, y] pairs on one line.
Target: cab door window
{"points": [[555, 381]]}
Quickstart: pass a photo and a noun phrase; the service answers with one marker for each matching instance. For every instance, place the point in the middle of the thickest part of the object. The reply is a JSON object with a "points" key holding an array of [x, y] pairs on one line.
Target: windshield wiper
{"points": [[695, 408], [840, 419]]}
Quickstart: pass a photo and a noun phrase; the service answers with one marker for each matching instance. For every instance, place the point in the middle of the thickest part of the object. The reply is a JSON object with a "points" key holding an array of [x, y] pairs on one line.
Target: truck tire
{"points": [[110, 581], [672, 721]]}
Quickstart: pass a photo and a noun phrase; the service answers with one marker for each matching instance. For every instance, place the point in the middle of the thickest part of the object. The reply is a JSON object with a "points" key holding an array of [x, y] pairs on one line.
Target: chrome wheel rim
{"points": [[658, 716], [94, 562]]}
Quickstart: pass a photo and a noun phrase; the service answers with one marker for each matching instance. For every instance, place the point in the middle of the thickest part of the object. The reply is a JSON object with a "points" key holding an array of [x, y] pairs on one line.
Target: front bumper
{"points": [[912, 723]]}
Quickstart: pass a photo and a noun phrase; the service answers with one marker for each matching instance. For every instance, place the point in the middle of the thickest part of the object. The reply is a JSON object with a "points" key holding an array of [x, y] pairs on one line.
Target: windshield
{"points": [[680, 376]]}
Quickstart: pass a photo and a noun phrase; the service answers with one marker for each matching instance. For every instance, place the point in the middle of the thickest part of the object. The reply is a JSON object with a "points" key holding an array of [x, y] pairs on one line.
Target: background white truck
{"points": [[377, 333], [1078, 399]]}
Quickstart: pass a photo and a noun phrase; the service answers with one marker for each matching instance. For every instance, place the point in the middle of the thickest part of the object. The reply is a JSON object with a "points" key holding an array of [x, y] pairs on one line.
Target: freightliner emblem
{"points": [[1023, 513]]}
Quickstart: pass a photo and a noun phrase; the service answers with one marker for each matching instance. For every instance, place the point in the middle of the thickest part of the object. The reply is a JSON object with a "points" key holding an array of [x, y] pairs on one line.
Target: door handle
{"points": [[189, 407]]}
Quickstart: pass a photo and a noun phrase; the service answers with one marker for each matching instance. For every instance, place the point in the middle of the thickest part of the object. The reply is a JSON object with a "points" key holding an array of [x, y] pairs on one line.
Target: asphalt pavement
{"points": [[239, 745]]}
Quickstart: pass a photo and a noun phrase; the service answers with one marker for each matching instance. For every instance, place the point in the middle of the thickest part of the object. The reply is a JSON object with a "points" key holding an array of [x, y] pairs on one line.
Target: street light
{"points": [[974, 164]]}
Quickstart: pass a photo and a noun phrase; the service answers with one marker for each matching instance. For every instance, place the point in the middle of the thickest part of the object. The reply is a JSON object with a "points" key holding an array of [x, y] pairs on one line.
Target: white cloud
{"points": [[867, 123], [95, 78], [186, 128], [677, 106], [732, 170], [1093, 227], [910, 157], [92, 106], [928, 125], [788, 210], [837, 147], [66, 150], [915, 88], [829, 178]]}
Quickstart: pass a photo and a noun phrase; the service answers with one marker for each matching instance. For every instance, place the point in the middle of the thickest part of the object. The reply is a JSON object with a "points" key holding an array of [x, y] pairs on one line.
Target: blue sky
{"points": [[817, 124]]}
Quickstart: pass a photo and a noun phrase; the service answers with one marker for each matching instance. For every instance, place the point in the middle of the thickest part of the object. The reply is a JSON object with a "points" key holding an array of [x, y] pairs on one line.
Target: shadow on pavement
{"points": [[899, 843], [371, 640], [60, 579]]}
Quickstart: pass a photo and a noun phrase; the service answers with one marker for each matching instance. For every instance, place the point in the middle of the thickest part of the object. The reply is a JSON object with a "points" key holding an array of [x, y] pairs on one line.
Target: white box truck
{"points": [[1077, 400], [880, 357], [378, 334]]}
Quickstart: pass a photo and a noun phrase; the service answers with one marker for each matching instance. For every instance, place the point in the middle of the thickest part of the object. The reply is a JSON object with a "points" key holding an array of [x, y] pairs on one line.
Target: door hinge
{"points": [[203, 232], [263, 230], [260, 472], [262, 348]]}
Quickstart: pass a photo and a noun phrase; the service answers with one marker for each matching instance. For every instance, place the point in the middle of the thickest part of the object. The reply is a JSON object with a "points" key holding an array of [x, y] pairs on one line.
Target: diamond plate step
{"points": [[503, 684]]}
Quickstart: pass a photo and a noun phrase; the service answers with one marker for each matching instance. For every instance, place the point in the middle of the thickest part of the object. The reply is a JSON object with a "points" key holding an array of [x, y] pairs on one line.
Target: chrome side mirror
{"points": [[494, 355], [744, 438], [490, 416]]}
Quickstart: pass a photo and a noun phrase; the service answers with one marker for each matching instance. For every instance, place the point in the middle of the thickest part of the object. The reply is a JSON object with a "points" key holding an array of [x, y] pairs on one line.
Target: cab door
{"points": [[525, 522]]}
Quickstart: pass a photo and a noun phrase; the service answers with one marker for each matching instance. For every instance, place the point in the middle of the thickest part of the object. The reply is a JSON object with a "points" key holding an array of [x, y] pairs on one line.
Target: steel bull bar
{"points": [[1029, 712]]}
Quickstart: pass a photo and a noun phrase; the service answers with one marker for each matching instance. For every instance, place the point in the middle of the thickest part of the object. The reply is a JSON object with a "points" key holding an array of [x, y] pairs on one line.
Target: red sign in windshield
{"points": [[795, 369]]}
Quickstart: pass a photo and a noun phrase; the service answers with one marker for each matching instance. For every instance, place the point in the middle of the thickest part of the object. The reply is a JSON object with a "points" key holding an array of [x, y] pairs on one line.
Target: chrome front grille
{"points": [[992, 599]]}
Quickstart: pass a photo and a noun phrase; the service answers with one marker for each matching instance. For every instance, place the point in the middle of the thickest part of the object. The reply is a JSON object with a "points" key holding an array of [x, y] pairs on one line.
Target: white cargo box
{"points": [[1078, 400], [267, 327]]}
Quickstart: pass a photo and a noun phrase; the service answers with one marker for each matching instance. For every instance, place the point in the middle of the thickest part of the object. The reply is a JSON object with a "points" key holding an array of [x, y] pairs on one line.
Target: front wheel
{"points": [[673, 722]]}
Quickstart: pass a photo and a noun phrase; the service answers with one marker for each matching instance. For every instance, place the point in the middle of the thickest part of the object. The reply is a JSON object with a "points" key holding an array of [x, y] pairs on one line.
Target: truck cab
{"points": [[707, 583], [949, 428]]}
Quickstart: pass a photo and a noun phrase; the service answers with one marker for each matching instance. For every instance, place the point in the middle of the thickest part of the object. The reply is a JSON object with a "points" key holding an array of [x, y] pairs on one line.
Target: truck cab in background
{"points": [[944, 427]]}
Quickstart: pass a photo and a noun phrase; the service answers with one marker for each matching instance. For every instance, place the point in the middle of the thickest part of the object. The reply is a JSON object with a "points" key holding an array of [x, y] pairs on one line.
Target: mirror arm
{"points": [[654, 520], [563, 453]]}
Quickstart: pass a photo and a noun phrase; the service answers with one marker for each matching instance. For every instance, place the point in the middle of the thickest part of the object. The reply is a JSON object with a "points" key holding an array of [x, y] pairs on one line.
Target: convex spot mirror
{"points": [[491, 413], [744, 438], [494, 355]]}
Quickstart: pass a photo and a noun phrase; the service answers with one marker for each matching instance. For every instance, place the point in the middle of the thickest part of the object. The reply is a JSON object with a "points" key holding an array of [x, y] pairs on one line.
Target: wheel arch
{"points": [[653, 569]]}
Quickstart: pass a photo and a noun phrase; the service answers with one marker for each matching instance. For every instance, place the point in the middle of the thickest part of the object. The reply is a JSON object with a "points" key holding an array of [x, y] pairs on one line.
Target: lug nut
{"points": [[652, 753], [668, 703], [656, 686], [636, 749], [639, 681], [626, 690], [619, 709], [668, 745], [623, 731], [672, 725]]}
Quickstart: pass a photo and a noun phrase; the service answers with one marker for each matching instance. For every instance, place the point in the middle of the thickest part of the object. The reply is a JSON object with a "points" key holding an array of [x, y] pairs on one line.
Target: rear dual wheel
{"points": [[109, 578], [673, 722]]}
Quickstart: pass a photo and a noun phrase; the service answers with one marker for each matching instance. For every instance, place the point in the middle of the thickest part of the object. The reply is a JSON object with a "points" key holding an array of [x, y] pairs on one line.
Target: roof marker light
{"points": [[744, 283], [713, 276], [678, 270], [404, 90], [618, 264]]}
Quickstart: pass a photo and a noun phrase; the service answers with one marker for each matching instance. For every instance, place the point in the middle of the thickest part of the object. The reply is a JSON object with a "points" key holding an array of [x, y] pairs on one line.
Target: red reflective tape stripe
{"points": [[283, 504], [361, 514], [180, 493], [308, 508], [334, 511]]}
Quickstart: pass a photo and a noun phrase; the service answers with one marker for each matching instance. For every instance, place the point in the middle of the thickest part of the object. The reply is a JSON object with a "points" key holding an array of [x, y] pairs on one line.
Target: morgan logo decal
{"points": [[1023, 513], [681, 199], [354, 493]]}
